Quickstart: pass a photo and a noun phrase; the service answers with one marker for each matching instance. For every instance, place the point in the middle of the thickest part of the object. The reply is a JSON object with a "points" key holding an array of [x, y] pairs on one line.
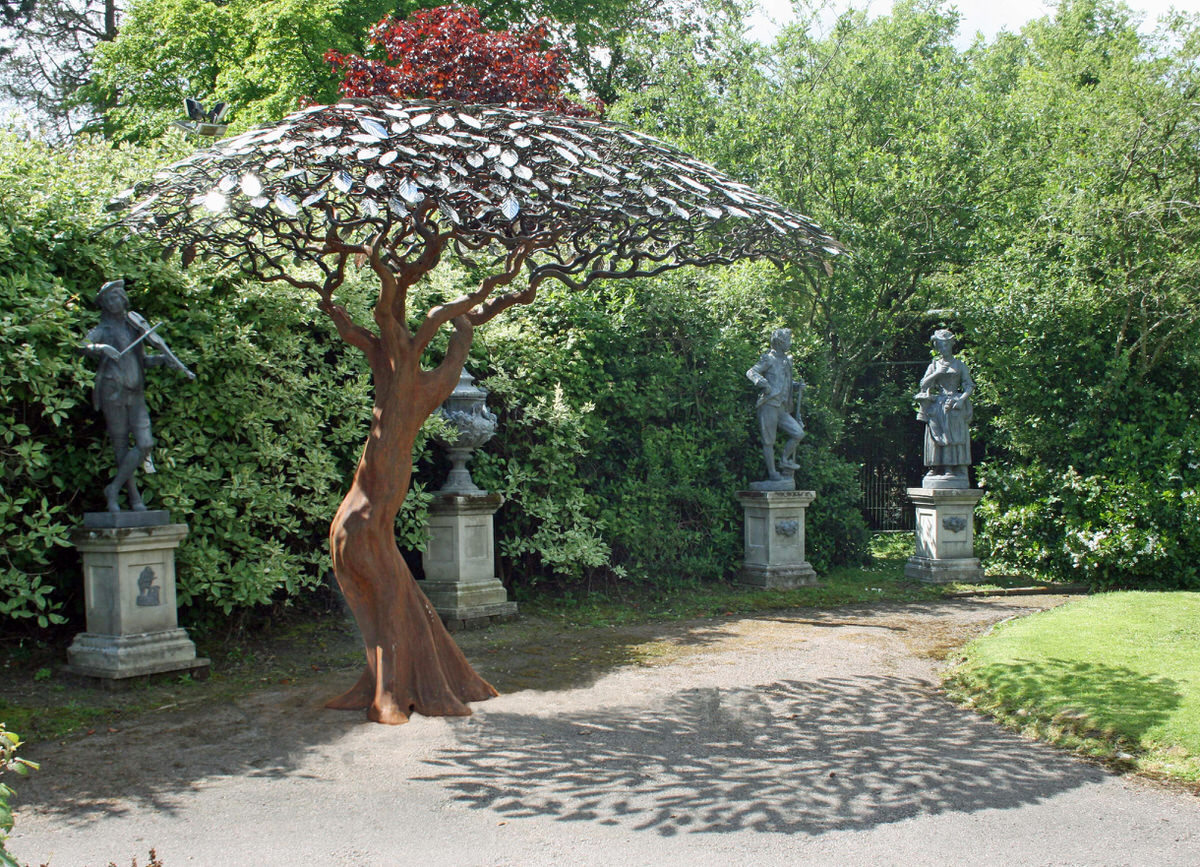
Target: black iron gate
{"points": [[884, 502]]}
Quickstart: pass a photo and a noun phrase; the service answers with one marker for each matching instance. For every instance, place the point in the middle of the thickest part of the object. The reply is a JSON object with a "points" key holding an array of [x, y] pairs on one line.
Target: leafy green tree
{"points": [[1094, 264], [45, 49], [263, 56], [873, 129]]}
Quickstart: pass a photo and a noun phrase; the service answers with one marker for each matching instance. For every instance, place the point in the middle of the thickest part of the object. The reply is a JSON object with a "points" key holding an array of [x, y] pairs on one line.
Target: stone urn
{"points": [[466, 411]]}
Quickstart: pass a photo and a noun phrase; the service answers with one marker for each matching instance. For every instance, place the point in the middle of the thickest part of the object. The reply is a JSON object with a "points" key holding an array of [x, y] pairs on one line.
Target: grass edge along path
{"points": [[1114, 677]]}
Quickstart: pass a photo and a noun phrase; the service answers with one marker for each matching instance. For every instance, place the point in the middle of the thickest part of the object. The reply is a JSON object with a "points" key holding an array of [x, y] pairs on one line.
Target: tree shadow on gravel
{"points": [[789, 757]]}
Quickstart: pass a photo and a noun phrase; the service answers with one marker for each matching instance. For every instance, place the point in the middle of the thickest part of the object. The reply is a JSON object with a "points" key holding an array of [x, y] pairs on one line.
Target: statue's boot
{"points": [[135, 498], [125, 471], [769, 459]]}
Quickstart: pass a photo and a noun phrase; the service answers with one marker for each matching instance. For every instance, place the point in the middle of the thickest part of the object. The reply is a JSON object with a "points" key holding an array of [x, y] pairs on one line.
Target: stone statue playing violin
{"points": [[119, 342]]}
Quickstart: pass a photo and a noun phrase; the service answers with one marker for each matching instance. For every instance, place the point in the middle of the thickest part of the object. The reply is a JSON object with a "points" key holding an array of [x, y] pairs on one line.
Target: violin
{"points": [[147, 334]]}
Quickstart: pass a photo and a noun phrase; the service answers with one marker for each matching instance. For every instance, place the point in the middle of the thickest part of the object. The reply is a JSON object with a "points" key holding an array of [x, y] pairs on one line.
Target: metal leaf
{"points": [[373, 127], [286, 205], [410, 191], [567, 180], [251, 185]]}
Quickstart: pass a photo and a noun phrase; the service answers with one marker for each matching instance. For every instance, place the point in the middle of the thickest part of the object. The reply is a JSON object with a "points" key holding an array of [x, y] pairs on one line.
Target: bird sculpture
{"points": [[202, 122]]}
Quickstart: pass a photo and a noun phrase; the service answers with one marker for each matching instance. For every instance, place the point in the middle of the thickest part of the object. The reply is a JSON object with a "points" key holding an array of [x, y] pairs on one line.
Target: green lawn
{"points": [[1115, 675]]}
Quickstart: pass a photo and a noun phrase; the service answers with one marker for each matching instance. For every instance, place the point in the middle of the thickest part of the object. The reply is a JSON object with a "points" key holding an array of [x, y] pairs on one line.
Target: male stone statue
{"points": [[774, 375], [119, 343]]}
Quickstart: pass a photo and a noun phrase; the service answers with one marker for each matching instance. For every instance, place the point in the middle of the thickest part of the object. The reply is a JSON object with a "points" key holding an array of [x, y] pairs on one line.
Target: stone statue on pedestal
{"points": [[944, 404], [119, 343], [945, 502], [774, 374]]}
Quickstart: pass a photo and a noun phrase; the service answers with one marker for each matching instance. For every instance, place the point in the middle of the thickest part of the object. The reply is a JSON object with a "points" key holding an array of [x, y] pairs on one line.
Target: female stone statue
{"points": [[944, 404]]}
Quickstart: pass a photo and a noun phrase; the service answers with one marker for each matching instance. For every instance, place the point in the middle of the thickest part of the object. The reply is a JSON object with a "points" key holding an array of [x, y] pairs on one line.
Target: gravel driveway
{"points": [[807, 737]]}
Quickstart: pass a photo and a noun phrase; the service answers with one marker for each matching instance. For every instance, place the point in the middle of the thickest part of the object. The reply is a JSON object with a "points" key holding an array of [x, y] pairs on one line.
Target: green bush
{"points": [[10, 762], [1093, 465]]}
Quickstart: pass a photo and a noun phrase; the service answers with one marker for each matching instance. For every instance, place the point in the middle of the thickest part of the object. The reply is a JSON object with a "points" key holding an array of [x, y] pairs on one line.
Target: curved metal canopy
{"points": [[592, 198]]}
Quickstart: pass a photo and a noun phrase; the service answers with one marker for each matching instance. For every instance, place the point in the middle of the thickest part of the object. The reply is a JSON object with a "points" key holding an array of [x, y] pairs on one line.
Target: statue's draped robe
{"points": [[947, 437]]}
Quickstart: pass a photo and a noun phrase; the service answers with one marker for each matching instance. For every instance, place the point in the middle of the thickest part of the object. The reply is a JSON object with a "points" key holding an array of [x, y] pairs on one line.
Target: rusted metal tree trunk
{"points": [[412, 663]]}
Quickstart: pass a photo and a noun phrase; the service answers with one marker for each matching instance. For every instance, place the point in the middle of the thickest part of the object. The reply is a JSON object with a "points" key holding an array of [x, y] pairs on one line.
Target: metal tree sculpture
{"points": [[397, 185]]}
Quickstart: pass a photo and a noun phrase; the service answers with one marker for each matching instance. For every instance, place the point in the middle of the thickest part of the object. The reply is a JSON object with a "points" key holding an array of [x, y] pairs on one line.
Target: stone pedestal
{"points": [[945, 536], [460, 564], [775, 539], [129, 593]]}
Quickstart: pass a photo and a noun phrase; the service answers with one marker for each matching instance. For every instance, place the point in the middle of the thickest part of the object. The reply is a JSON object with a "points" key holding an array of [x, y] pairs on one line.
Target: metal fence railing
{"points": [[885, 503]]}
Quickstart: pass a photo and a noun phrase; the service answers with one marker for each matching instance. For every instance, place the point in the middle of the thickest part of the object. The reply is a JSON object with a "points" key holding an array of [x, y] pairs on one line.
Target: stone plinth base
{"points": [[774, 536], [945, 536], [118, 657], [460, 563], [929, 571], [129, 594]]}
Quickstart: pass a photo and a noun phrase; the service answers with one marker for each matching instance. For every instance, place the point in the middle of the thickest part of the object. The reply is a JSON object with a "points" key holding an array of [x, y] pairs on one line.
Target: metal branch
{"points": [[463, 305]]}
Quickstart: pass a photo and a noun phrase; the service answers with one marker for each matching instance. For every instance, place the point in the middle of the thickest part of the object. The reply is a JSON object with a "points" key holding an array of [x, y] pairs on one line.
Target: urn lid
{"points": [[466, 395]]}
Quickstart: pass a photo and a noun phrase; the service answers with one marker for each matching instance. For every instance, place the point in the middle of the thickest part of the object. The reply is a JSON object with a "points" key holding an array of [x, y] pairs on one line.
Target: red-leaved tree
{"points": [[447, 53]]}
